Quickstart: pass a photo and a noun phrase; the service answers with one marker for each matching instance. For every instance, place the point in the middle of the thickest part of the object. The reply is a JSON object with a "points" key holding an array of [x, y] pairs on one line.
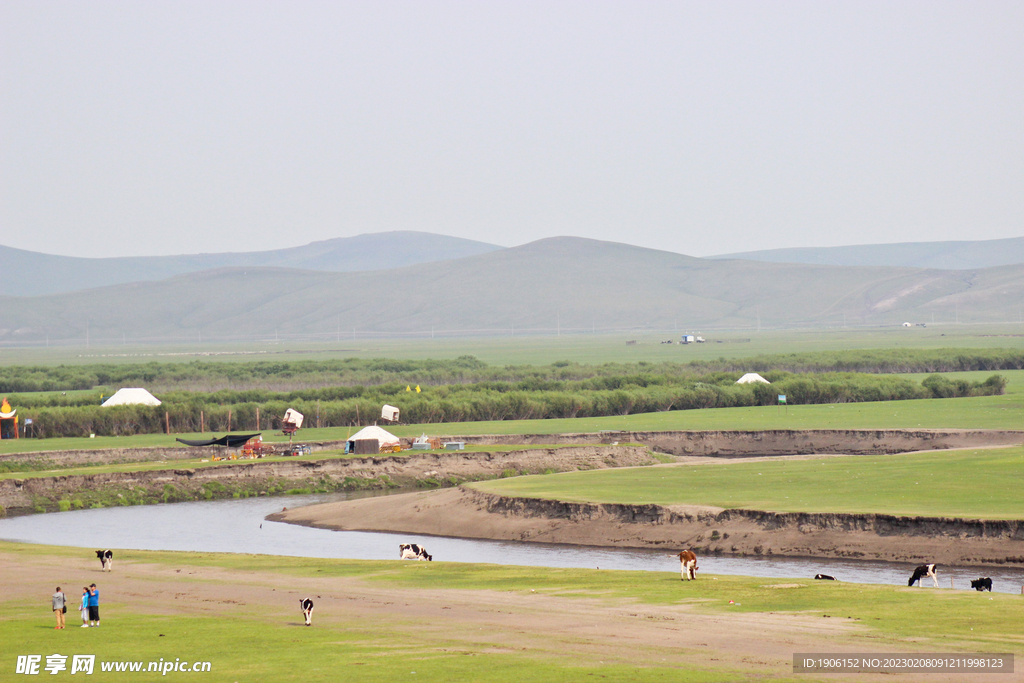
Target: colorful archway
{"points": [[8, 421]]}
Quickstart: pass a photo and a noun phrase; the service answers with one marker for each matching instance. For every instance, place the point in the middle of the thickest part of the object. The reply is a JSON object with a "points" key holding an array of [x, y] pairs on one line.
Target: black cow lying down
{"points": [[824, 577], [413, 551], [106, 559], [923, 572], [307, 610], [984, 584]]}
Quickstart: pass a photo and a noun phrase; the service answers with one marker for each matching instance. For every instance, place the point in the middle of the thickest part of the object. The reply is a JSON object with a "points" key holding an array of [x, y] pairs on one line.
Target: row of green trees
{"points": [[484, 402]]}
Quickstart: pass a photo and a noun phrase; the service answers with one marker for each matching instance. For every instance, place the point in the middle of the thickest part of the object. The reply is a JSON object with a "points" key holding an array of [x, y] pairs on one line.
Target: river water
{"points": [[238, 526]]}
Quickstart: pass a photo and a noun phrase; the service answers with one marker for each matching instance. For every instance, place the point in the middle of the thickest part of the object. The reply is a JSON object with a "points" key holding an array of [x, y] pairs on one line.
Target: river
{"points": [[238, 526]]}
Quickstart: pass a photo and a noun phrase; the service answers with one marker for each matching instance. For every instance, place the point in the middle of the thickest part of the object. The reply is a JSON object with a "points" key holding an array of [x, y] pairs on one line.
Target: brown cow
{"points": [[688, 565]]}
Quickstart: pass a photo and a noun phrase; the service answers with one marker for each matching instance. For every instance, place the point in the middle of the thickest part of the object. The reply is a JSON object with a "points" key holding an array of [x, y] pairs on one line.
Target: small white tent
{"points": [[385, 437], [389, 413], [752, 377], [131, 397]]}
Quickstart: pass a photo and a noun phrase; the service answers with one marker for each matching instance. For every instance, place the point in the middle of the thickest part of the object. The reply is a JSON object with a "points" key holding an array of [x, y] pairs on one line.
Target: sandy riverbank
{"points": [[467, 513]]}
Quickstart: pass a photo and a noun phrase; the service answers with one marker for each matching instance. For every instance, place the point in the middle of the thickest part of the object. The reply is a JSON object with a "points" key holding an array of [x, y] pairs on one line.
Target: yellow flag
{"points": [[417, 388], [407, 388]]}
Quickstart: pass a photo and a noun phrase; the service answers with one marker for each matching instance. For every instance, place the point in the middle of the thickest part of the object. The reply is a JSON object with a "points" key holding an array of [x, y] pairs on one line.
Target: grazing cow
{"points": [[687, 565], [984, 584], [824, 577], [106, 560], [923, 572], [413, 551], [307, 610]]}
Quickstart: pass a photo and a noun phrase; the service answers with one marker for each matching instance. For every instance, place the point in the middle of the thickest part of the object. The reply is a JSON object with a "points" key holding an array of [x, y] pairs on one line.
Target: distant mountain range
{"points": [[29, 273], [558, 284], [943, 255]]}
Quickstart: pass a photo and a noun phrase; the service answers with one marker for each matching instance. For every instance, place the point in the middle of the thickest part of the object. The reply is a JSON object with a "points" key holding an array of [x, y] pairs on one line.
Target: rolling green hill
{"points": [[28, 273], [558, 285], [944, 255]]}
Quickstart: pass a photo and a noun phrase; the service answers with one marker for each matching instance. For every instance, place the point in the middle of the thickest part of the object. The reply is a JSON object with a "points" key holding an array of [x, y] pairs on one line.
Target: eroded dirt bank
{"points": [[707, 443], [467, 513], [41, 494], [116, 456], [783, 441]]}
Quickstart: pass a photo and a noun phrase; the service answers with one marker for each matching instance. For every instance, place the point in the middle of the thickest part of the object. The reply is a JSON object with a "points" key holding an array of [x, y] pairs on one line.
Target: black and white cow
{"points": [[984, 584], [413, 551], [307, 610], [824, 577], [106, 560], [923, 572]]}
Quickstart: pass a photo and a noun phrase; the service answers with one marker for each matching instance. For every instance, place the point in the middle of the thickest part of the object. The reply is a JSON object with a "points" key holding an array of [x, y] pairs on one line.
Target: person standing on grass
{"points": [[59, 603], [94, 605], [84, 607]]}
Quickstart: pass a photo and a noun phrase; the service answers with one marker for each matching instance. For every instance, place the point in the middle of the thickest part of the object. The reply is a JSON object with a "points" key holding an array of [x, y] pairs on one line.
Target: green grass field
{"points": [[246, 638], [984, 412], [980, 484], [856, 600]]}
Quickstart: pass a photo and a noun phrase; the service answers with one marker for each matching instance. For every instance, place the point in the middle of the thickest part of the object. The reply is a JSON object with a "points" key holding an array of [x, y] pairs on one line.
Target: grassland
{"points": [[542, 350], [385, 621], [976, 484], [985, 412]]}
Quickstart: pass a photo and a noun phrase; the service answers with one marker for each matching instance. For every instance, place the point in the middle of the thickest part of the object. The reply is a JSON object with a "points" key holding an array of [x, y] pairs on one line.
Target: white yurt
{"points": [[131, 397], [752, 377], [385, 437]]}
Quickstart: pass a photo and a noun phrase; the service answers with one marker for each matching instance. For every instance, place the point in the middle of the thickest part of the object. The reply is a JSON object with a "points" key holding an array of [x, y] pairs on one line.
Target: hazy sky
{"points": [[131, 128]]}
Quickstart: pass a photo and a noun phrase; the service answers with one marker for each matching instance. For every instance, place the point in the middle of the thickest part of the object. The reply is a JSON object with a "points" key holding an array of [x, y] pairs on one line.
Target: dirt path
{"points": [[610, 631]]}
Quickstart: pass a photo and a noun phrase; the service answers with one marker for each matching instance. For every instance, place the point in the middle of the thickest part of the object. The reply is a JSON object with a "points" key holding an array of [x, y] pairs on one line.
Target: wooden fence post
{"points": [[229, 419], [167, 420], [201, 426], [257, 418]]}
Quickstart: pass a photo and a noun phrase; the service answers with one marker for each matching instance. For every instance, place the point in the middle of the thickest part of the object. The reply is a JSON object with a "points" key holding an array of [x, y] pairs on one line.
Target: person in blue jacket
{"points": [[84, 607], [94, 605]]}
